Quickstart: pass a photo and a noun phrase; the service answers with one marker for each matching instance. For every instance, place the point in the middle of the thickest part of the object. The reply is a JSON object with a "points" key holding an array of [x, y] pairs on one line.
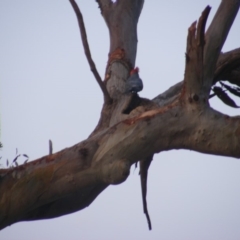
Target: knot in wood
{"points": [[195, 97], [116, 171]]}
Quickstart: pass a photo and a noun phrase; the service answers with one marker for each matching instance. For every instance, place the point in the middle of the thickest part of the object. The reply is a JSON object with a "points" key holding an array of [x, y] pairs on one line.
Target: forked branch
{"points": [[107, 98], [203, 51], [227, 69], [193, 78]]}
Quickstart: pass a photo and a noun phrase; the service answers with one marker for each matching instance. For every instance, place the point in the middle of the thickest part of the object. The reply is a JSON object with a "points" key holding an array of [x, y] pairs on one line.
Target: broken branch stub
{"points": [[192, 90]]}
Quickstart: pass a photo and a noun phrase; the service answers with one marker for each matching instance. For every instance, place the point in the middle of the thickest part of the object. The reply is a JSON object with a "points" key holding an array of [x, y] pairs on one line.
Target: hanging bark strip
{"points": [[144, 166]]}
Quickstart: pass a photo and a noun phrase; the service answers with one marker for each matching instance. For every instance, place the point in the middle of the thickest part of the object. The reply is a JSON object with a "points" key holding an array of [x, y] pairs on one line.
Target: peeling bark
{"points": [[131, 128]]}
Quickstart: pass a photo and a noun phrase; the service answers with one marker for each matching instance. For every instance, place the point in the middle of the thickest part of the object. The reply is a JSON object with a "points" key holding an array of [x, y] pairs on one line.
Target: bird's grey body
{"points": [[134, 83]]}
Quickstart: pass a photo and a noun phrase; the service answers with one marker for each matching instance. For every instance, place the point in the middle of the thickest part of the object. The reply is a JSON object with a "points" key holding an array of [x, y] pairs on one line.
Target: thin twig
{"points": [[50, 147], [83, 33]]}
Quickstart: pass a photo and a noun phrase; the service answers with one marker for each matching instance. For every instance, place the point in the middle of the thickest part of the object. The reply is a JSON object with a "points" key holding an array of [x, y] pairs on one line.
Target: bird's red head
{"points": [[135, 70]]}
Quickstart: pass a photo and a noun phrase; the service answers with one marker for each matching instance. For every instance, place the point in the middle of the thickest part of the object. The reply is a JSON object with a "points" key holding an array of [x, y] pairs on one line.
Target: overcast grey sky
{"points": [[48, 92]]}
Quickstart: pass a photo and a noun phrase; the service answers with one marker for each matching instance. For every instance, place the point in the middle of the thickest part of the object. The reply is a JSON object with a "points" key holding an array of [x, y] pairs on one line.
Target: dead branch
{"points": [[193, 78], [228, 67], [216, 36], [50, 147], [107, 98], [144, 166]]}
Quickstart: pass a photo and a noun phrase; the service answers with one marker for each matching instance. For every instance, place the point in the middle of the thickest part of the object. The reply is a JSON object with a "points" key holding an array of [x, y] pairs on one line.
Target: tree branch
{"points": [[121, 18], [107, 98], [193, 78], [104, 4], [78, 174], [144, 166], [216, 134], [169, 96], [228, 67], [50, 147], [216, 36]]}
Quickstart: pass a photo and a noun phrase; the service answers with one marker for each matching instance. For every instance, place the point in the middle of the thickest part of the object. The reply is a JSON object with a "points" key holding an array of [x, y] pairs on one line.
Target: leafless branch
{"points": [[144, 165], [50, 147], [216, 36], [228, 67], [193, 79], [83, 33]]}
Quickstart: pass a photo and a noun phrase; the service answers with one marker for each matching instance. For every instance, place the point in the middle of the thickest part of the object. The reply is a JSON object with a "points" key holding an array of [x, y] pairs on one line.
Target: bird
{"points": [[134, 83]]}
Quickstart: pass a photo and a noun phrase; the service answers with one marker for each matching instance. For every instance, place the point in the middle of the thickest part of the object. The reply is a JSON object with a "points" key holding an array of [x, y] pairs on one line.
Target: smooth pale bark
{"points": [[131, 128]]}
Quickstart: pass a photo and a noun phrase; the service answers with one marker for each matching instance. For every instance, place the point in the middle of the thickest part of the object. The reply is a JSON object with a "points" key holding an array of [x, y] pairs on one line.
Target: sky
{"points": [[48, 92]]}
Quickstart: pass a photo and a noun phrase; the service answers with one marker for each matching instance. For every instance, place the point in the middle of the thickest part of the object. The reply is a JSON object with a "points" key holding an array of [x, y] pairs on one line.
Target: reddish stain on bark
{"points": [[130, 121], [150, 114], [50, 158]]}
